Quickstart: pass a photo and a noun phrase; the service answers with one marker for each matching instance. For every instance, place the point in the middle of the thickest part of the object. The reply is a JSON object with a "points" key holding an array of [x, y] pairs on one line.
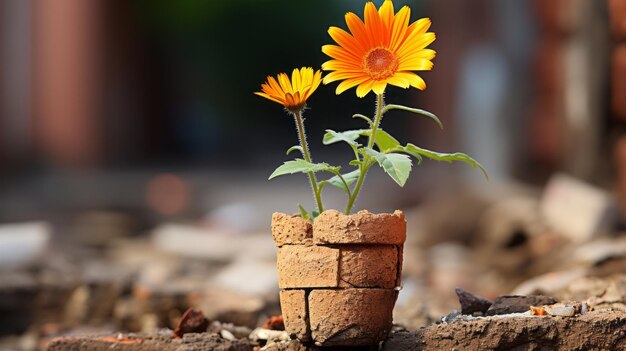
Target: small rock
{"points": [[227, 335], [450, 317], [471, 303], [269, 335], [192, 321], [517, 304], [274, 323], [561, 311]]}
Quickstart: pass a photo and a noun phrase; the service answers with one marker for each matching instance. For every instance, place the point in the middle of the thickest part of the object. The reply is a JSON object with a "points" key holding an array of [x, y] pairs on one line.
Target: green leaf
{"points": [[385, 141], [364, 117], [314, 214], [414, 110], [349, 136], [301, 166], [303, 213], [411, 152], [438, 156], [293, 148], [398, 166], [350, 178]]}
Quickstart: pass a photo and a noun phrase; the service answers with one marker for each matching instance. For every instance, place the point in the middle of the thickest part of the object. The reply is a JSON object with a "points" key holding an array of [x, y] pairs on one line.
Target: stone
{"points": [[575, 209], [192, 321], [471, 303], [195, 242], [252, 277], [290, 229], [596, 330], [295, 314], [302, 266], [517, 304], [148, 342], [333, 227], [23, 243], [351, 317], [368, 266]]}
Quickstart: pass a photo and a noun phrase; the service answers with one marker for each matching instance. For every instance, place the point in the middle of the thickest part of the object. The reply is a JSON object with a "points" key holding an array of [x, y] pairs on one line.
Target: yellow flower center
{"points": [[380, 63]]}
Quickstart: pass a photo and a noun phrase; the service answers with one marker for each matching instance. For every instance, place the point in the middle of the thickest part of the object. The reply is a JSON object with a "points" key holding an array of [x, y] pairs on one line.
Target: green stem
{"points": [[307, 157], [366, 164], [343, 180]]}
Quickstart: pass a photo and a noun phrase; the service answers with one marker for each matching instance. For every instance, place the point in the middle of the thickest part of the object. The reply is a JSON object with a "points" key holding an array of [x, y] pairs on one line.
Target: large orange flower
{"points": [[292, 94], [382, 50]]}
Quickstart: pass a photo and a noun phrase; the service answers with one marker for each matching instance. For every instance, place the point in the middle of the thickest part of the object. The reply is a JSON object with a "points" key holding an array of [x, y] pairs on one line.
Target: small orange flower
{"points": [[382, 50], [292, 94]]}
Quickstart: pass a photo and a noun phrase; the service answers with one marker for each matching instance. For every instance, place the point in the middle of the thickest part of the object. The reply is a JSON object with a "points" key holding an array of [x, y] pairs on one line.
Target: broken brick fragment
{"points": [[192, 321]]}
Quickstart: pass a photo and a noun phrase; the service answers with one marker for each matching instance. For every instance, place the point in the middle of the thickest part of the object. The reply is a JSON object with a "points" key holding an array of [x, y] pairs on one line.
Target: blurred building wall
{"points": [[15, 80], [67, 95]]}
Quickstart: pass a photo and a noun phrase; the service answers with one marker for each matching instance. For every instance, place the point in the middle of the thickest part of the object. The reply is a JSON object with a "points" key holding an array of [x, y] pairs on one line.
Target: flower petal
{"points": [[364, 88], [346, 41], [357, 28], [415, 64], [416, 42], [373, 24], [270, 97], [339, 53], [285, 84], [349, 83], [398, 81], [400, 27], [386, 15], [379, 87], [413, 79], [334, 65], [339, 75]]}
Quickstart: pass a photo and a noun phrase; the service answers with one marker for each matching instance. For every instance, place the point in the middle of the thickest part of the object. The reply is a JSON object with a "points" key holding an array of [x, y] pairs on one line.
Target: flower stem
{"points": [[366, 164], [307, 157]]}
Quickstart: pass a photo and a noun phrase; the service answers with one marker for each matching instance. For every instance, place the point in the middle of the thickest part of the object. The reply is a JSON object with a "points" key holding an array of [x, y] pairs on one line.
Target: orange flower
{"points": [[383, 50], [292, 94]]}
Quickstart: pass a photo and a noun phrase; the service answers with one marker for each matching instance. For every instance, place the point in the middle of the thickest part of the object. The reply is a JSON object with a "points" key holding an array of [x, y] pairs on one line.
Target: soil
{"points": [[599, 330], [140, 342]]}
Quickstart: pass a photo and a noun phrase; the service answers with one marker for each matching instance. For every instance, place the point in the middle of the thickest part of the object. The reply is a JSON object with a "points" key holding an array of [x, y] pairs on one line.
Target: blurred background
{"points": [[134, 155]]}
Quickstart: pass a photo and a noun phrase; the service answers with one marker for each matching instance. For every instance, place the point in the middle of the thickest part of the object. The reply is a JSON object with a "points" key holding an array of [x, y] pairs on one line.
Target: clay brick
{"points": [[333, 227], [618, 89], [290, 229], [400, 263], [351, 317], [294, 307], [302, 266], [617, 15], [368, 266]]}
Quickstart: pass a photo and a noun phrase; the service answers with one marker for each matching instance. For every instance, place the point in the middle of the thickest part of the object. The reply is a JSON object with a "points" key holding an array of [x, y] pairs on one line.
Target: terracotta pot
{"points": [[339, 276]]}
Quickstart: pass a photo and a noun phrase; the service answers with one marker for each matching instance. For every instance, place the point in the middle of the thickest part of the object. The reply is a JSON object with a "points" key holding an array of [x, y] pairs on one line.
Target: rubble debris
{"points": [[471, 303], [516, 304], [192, 321], [149, 342], [236, 330], [261, 334], [560, 309], [596, 330], [23, 243], [275, 323], [17, 296]]}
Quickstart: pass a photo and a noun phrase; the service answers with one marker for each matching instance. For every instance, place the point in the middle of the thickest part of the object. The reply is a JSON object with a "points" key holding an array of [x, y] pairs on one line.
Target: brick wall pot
{"points": [[339, 276]]}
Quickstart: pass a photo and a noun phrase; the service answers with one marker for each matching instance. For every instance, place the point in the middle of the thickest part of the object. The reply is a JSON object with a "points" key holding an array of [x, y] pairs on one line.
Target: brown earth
{"points": [[189, 342], [598, 330]]}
